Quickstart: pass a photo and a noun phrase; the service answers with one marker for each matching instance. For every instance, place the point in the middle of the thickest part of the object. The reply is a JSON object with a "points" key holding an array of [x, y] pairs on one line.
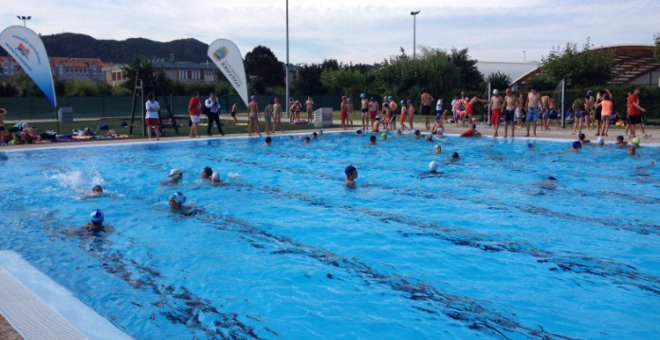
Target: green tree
{"points": [[138, 68], [343, 81], [579, 68], [657, 46], [309, 80], [499, 80], [262, 66], [470, 78]]}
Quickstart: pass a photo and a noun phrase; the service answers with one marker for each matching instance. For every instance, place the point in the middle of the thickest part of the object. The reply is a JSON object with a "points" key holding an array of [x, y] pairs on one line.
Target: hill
{"points": [[84, 46]]}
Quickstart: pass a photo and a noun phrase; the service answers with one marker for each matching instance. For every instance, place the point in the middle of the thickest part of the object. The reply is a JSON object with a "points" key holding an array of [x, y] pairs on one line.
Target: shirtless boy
{"points": [[533, 104], [510, 102]]}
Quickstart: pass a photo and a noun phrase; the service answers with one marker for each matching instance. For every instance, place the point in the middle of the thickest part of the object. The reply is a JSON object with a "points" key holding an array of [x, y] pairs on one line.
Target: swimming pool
{"points": [[283, 249]]}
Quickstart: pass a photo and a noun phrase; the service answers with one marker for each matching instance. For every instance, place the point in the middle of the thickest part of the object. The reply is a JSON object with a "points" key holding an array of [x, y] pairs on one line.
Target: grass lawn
{"points": [[182, 121]]}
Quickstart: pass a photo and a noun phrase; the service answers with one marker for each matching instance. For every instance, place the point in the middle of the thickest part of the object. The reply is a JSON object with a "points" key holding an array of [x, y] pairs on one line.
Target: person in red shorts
{"points": [[496, 104], [194, 110], [635, 112], [343, 107], [151, 118]]}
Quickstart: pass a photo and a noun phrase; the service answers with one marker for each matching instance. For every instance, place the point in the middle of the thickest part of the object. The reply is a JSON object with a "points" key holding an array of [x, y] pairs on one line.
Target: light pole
{"points": [[414, 14], [524, 56], [24, 18], [286, 66]]}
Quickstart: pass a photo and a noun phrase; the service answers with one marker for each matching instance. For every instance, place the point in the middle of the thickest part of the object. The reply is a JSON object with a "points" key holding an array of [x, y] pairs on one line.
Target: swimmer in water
{"points": [[433, 171], [620, 141], [428, 138], [314, 135], [307, 139], [531, 146], [215, 178], [176, 202], [631, 150], [97, 190], [437, 149], [582, 140], [418, 134], [454, 157], [549, 184], [95, 224], [383, 136], [372, 140], [206, 173], [174, 177], [268, 141], [576, 147], [351, 174]]}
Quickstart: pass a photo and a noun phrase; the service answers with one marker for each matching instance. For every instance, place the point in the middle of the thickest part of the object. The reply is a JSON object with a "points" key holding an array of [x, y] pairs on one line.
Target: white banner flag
{"points": [[227, 58], [25, 46]]}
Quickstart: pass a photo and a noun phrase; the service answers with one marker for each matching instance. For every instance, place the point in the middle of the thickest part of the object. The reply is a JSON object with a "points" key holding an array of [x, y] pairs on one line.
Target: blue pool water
{"points": [[283, 249]]}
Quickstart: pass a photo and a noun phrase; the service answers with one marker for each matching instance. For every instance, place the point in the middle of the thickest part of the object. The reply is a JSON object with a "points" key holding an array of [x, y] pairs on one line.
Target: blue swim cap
{"points": [[389, 97], [362, 95], [577, 145], [178, 197], [96, 217]]}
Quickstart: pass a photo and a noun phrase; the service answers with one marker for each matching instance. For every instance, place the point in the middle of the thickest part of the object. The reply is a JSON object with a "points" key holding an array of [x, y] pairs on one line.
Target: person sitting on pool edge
{"points": [[174, 177], [207, 172], [351, 174], [472, 132]]}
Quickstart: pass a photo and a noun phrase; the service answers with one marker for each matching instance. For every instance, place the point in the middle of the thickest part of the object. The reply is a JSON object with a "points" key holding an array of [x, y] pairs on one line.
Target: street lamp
{"points": [[24, 18], [414, 14], [286, 66]]}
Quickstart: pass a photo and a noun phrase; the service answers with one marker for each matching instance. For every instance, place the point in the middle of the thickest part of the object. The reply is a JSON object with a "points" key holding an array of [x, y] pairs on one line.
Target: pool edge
{"points": [[34, 304]]}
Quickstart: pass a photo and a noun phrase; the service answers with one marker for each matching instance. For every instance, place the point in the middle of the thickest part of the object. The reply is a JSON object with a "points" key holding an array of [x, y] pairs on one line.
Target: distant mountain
{"points": [[84, 46]]}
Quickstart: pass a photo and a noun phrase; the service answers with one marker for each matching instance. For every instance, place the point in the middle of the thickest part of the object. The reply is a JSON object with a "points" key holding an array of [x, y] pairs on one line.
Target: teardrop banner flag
{"points": [[226, 56], [25, 46]]}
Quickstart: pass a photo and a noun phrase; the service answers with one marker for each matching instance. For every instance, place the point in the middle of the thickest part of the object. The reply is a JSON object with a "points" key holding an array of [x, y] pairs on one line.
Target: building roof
{"points": [[164, 64], [511, 69], [630, 63], [76, 62]]}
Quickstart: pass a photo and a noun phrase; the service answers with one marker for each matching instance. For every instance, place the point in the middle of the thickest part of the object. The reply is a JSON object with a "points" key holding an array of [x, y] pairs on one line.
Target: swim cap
{"points": [[215, 177], [531, 145], [577, 145], [433, 166], [402, 102], [349, 170], [601, 141], [552, 178], [96, 217], [176, 173], [417, 132], [359, 132], [97, 188], [178, 197], [362, 95], [253, 97], [495, 92], [268, 139], [389, 97], [441, 130], [377, 117], [207, 171], [383, 134], [635, 141], [589, 93], [343, 97]]}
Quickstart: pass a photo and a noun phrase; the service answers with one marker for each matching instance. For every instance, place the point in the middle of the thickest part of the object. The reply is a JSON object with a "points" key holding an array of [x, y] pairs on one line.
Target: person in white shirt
{"points": [[151, 118], [213, 113]]}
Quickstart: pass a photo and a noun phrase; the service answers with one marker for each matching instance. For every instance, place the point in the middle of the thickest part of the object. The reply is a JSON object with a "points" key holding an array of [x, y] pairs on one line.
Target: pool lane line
{"points": [[185, 307], [643, 229], [601, 267], [460, 308]]}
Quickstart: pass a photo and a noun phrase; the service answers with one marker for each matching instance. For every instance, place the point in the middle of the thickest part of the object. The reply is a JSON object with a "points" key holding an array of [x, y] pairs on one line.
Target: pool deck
{"points": [[32, 306], [554, 133]]}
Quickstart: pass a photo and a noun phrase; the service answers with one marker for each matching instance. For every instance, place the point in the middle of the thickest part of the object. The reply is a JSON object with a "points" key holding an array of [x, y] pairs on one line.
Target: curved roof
{"points": [[630, 63]]}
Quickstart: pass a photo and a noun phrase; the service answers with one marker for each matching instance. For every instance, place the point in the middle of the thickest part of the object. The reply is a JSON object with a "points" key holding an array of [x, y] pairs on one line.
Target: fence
{"points": [[37, 108]]}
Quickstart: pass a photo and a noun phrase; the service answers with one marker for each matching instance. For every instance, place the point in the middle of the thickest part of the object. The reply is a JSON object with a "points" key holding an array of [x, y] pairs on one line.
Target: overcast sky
{"points": [[358, 31]]}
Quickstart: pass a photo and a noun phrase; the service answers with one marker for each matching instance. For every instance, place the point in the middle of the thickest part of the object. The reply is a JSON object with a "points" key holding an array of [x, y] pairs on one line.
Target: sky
{"points": [[358, 31]]}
